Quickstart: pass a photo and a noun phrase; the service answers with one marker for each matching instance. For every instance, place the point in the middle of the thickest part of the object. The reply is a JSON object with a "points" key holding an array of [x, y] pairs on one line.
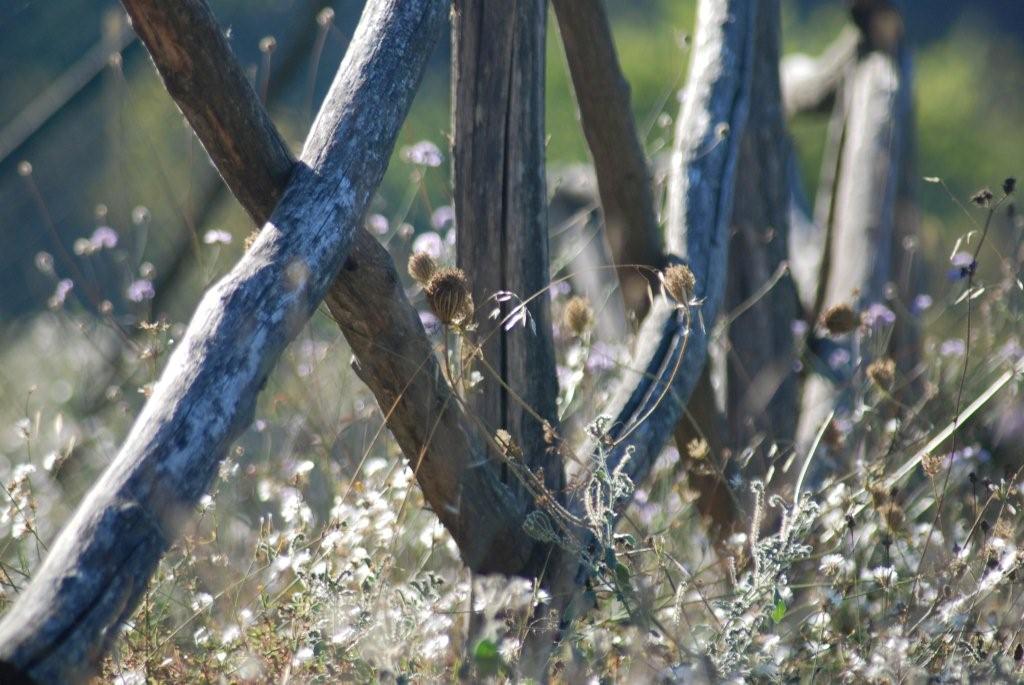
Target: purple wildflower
{"points": [[878, 314], [954, 347], [442, 216], [140, 290], [602, 357], [429, 242], [103, 237], [430, 322], [839, 358], [423, 153], [964, 266], [60, 294], [798, 327], [378, 223], [921, 303]]}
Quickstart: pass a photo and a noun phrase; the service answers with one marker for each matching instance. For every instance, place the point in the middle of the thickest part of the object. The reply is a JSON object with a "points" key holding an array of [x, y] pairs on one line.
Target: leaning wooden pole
{"points": [[64, 622], [649, 401]]}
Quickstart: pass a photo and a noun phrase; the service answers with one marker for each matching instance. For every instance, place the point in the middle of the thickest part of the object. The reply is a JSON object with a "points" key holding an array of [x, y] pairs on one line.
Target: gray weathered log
{"points": [[392, 352], [500, 205], [96, 571], [649, 402], [623, 176], [809, 84], [873, 112]]}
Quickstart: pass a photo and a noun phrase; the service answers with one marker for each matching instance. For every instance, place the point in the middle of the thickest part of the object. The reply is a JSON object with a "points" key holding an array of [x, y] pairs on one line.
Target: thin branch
{"points": [[623, 177], [98, 568]]}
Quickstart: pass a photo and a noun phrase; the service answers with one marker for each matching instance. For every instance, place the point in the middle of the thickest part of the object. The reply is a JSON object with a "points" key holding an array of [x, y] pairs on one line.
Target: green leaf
{"points": [[622, 575], [488, 661], [779, 612]]}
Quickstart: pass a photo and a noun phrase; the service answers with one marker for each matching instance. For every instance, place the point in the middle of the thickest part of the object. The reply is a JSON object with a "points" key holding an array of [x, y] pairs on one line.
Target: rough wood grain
{"points": [[671, 350], [97, 569], [623, 175], [501, 211], [392, 352]]}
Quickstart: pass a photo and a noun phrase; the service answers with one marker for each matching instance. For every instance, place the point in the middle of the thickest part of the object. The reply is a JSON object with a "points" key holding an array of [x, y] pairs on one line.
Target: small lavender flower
{"points": [[430, 243], [103, 237], [60, 294], [602, 357], [798, 327], [442, 216], [878, 314], [839, 358], [423, 153], [921, 303], [954, 347], [140, 290], [378, 223], [964, 266], [430, 322]]}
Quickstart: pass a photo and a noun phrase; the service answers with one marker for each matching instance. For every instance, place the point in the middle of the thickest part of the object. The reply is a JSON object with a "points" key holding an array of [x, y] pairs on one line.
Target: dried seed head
{"points": [[882, 372], [1009, 185], [448, 294], [840, 319], [267, 44], [931, 464], [578, 316], [325, 16], [982, 198], [679, 282], [251, 239], [698, 449], [893, 516], [421, 267], [508, 446]]}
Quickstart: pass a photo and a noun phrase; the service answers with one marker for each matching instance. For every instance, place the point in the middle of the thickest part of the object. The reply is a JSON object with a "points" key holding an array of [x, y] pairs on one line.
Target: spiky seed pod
{"points": [[578, 315], [698, 449], [421, 267], [679, 282], [882, 372], [449, 297], [840, 319]]}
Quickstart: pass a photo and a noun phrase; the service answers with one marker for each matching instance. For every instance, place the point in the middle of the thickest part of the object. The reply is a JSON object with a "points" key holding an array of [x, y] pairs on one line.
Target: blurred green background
{"points": [[107, 146]]}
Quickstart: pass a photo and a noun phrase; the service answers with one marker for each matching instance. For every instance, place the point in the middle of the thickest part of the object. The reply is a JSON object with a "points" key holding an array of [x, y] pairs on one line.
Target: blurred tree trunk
{"points": [[761, 385], [498, 51]]}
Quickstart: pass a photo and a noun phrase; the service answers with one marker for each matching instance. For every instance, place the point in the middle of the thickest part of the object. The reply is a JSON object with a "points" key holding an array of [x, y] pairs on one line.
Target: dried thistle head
{"points": [[982, 198], [250, 239], [698, 449], [931, 464], [578, 315], [508, 446], [421, 267], [679, 282], [892, 516], [449, 297], [840, 319], [882, 372]]}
